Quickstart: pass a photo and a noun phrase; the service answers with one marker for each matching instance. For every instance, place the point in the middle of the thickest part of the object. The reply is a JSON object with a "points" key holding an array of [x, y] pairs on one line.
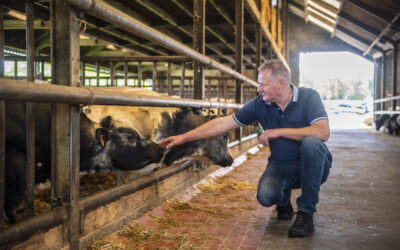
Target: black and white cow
{"points": [[104, 147], [157, 123]]}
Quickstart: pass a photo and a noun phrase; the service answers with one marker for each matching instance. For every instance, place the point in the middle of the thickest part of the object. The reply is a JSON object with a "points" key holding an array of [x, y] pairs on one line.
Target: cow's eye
{"points": [[131, 137]]}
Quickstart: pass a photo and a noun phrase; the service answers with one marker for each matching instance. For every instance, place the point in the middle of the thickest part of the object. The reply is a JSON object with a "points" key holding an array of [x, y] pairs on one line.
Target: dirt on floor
{"points": [[224, 215]]}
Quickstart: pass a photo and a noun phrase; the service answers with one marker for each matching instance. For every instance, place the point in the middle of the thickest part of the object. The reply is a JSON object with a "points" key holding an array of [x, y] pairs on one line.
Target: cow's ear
{"points": [[102, 136], [107, 122]]}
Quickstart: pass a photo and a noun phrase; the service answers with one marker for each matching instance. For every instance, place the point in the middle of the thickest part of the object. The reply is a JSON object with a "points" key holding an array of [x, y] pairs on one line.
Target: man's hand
{"points": [[269, 135], [172, 141]]}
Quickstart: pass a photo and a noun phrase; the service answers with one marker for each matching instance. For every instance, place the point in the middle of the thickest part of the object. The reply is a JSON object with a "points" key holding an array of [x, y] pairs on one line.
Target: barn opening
{"points": [[344, 81]]}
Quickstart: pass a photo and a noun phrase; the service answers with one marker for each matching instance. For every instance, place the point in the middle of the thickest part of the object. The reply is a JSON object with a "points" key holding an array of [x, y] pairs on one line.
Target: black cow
{"points": [[103, 147], [380, 121]]}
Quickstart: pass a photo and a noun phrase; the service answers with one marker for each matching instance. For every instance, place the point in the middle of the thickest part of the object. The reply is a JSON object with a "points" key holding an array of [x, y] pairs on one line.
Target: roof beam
{"points": [[358, 39], [227, 18], [382, 34], [224, 41], [370, 10]]}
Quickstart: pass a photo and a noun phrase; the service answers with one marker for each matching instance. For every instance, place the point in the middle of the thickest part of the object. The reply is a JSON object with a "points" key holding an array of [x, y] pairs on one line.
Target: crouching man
{"points": [[295, 126]]}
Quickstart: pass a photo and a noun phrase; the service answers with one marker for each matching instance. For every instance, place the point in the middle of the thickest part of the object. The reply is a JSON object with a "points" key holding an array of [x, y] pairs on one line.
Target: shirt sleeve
{"points": [[316, 110], [246, 115]]}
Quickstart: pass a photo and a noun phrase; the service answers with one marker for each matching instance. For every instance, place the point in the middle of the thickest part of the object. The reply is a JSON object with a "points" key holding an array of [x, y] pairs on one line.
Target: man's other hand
{"points": [[268, 135], [172, 141]]}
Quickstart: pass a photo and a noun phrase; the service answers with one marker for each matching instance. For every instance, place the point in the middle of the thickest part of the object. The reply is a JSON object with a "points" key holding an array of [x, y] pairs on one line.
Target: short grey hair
{"points": [[277, 68]]}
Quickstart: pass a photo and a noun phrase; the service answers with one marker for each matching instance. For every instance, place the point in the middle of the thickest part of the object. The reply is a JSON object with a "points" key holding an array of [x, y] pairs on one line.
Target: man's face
{"points": [[269, 87]]}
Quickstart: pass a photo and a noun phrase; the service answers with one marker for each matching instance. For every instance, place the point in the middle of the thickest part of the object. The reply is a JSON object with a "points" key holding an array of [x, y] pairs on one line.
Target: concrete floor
{"points": [[359, 205]]}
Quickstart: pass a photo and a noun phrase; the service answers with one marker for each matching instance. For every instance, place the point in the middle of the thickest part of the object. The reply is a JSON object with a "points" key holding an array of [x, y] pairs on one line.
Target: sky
{"points": [[343, 65]]}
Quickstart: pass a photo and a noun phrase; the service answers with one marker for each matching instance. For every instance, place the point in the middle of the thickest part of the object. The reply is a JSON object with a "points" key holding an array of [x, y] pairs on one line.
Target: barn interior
{"points": [[195, 54]]}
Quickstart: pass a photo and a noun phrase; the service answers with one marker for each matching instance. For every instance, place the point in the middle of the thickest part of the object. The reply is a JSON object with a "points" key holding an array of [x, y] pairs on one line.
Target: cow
{"points": [[393, 124], [157, 123], [104, 147], [380, 121]]}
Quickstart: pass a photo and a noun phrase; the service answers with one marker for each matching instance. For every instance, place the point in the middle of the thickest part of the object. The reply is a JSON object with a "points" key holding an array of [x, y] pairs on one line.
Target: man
{"points": [[295, 126]]}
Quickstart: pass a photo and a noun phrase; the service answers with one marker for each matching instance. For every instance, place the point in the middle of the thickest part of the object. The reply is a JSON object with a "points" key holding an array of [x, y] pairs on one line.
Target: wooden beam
{"points": [[239, 19], [199, 46], [16, 24], [65, 124], [30, 113], [2, 125], [256, 15]]}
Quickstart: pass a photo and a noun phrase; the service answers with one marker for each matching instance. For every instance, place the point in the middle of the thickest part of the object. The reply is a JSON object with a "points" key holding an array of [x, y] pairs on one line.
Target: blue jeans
{"points": [[308, 173]]}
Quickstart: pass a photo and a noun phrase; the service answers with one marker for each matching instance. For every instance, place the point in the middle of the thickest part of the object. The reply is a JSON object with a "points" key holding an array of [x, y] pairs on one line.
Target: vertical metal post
{"points": [[182, 85], [30, 113], [394, 73], [258, 48], [218, 95], [169, 79], [65, 139], [97, 74], [199, 18], [209, 88], [126, 73], [83, 69], [277, 20], [15, 69], [2, 125], [190, 88], [140, 76], [285, 28], [383, 87], [42, 70], [112, 74], [154, 76], [239, 19]]}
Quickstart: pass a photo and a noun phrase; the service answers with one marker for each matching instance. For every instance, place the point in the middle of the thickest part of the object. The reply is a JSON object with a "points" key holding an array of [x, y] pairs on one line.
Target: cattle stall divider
{"points": [[14, 90]]}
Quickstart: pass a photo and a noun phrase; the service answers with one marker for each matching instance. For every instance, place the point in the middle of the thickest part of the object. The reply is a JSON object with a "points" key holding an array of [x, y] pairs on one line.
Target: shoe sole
{"points": [[296, 235]]}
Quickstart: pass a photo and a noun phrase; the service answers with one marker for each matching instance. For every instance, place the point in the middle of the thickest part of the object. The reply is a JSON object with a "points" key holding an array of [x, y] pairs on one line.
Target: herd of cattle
{"points": [[111, 138], [388, 123]]}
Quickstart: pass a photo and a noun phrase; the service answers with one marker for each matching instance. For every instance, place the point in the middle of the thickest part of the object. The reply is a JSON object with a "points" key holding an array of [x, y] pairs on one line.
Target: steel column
{"points": [[140, 75], [30, 113], [394, 73], [169, 79], [97, 74], [83, 74], [112, 74], [154, 76], [182, 85], [126, 73], [2, 124], [199, 19], [383, 86]]}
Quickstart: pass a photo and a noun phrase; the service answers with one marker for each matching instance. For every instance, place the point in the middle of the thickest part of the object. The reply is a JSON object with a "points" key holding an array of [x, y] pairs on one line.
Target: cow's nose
{"points": [[226, 162]]}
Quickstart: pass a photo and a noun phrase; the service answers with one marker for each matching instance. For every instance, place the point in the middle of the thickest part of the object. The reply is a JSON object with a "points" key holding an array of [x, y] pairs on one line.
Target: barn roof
{"points": [[370, 26]]}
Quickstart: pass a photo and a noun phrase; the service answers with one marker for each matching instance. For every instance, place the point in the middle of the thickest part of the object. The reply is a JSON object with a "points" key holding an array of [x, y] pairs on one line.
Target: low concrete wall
{"points": [[107, 219]]}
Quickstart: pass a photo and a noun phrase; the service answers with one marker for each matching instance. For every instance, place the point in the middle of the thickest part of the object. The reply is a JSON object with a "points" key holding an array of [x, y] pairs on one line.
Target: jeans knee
{"points": [[266, 198], [310, 144]]}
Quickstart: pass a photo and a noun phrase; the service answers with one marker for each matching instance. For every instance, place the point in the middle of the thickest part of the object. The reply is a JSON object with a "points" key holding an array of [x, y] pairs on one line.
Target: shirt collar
{"points": [[295, 95]]}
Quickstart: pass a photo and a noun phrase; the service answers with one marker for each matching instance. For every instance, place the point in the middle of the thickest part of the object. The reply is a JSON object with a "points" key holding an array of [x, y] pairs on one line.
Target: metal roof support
{"points": [[382, 34], [239, 19], [370, 10], [130, 24]]}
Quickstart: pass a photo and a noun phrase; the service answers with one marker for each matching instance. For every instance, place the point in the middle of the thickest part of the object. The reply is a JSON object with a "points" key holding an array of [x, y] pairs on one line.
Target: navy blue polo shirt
{"points": [[304, 109]]}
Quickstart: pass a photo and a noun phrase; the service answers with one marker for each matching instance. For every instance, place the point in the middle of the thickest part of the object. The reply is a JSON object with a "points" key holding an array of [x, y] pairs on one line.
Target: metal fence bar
{"points": [[388, 112], [387, 99], [29, 91]]}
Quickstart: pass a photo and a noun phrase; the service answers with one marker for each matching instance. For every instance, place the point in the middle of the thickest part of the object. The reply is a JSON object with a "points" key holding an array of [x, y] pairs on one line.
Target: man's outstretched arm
{"points": [[209, 129]]}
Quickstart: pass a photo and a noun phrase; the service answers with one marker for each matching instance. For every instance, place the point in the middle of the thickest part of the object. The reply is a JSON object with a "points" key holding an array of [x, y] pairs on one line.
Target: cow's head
{"points": [[122, 148], [215, 149]]}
